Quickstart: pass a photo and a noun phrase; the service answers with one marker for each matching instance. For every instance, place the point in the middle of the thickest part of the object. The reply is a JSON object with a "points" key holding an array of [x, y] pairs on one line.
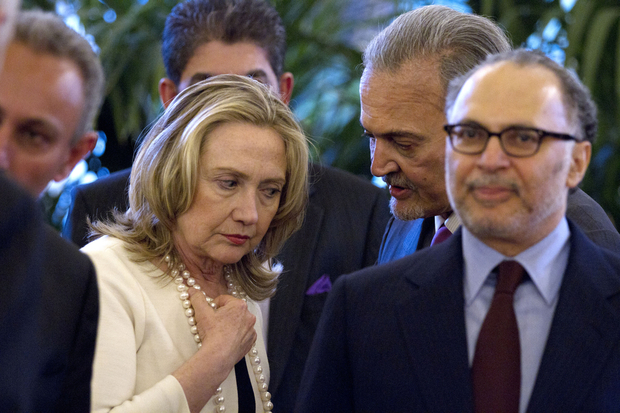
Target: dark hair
{"points": [[575, 95], [195, 22]]}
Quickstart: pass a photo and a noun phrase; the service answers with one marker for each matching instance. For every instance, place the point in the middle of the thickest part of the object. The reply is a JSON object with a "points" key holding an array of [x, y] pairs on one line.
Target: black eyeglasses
{"points": [[517, 141]]}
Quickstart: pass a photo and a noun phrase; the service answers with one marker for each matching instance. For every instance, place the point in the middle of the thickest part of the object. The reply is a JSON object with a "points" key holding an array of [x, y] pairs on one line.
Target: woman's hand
{"points": [[229, 330], [227, 335]]}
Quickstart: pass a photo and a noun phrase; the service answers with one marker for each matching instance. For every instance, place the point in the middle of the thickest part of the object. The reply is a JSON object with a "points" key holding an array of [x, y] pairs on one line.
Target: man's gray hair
{"points": [[575, 95], [459, 41], [45, 32]]}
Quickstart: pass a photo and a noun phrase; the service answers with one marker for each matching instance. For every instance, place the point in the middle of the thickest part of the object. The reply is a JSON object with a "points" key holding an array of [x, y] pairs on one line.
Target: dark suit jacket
{"points": [[345, 220], [402, 238], [392, 338], [48, 313]]}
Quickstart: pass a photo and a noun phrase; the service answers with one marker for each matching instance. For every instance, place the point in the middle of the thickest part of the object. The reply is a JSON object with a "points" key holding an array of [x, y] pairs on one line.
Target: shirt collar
{"points": [[453, 222], [545, 262]]}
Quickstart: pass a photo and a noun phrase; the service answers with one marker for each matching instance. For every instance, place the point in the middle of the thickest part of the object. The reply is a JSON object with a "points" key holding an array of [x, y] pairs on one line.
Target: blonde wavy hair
{"points": [[165, 174]]}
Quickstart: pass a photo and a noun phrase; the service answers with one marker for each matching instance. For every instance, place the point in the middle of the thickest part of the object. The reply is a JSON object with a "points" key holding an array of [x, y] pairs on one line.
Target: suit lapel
{"points": [[433, 322], [584, 331], [285, 307]]}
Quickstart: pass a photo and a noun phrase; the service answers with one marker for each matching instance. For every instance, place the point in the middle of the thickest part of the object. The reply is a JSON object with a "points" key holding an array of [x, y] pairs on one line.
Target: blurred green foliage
{"points": [[325, 39], [585, 34]]}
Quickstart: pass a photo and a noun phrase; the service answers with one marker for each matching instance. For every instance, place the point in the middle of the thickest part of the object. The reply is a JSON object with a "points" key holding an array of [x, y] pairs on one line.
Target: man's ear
{"points": [[167, 91], [286, 87], [582, 151], [76, 153]]}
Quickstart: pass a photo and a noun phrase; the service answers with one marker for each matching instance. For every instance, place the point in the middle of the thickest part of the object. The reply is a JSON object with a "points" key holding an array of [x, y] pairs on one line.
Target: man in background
{"points": [[346, 215], [518, 310], [407, 68], [50, 91], [8, 11], [48, 300]]}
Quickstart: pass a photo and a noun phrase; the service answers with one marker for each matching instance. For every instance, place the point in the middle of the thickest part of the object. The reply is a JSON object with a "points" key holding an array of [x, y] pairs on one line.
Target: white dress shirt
{"points": [[453, 222]]}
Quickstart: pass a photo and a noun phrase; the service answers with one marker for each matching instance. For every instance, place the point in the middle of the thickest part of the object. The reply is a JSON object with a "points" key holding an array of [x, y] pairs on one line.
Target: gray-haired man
{"points": [[407, 70], [518, 310], [50, 90], [48, 301]]}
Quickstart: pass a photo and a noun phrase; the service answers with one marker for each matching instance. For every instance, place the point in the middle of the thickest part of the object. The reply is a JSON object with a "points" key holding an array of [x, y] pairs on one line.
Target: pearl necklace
{"points": [[184, 281]]}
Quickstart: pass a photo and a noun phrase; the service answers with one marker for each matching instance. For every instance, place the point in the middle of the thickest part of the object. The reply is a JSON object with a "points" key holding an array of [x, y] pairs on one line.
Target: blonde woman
{"points": [[219, 184]]}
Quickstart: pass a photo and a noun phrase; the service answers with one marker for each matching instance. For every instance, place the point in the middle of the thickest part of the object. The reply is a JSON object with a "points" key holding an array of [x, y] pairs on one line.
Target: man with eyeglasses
{"points": [[515, 141], [407, 68], [518, 310]]}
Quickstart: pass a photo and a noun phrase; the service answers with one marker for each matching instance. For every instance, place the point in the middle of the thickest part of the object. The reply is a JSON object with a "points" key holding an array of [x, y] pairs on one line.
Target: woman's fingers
{"points": [[236, 311], [231, 325]]}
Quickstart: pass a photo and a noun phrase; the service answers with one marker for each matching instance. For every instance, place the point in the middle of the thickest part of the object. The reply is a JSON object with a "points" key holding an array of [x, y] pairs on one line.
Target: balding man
{"points": [[407, 70], [519, 310]]}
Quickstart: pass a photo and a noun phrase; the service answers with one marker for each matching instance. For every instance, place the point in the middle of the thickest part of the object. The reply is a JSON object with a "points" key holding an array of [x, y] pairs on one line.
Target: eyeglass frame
{"points": [[540, 132]]}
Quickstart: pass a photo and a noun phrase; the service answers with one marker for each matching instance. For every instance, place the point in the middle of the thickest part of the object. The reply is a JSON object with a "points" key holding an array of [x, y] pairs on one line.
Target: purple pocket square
{"points": [[322, 285]]}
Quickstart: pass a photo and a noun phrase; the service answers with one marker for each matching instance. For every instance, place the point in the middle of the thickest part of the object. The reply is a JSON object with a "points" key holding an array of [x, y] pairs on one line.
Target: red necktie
{"points": [[441, 235], [496, 370]]}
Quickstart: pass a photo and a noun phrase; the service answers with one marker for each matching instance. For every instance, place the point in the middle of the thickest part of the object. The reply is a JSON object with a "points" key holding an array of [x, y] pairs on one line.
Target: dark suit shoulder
{"points": [[95, 200], [76, 262], [342, 231], [590, 217], [587, 257], [371, 327], [579, 368], [370, 277], [423, 267], [329, 180], [49, 296], [111, 184], [17, 210]]}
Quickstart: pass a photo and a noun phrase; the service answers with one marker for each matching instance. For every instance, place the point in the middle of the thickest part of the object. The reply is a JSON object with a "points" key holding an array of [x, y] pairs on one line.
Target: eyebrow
{"points": [[471, 122], [395, 135], [50, 129], [242, 175], [257, 74]]}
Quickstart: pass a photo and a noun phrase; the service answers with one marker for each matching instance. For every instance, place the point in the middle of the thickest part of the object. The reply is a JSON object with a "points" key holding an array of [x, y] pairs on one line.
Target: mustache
{"points": [[400, 180], [492, 180]]}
